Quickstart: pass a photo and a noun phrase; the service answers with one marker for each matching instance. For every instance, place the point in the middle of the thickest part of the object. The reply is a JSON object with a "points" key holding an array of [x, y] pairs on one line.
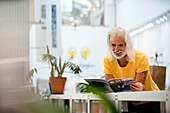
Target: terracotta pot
{"points": [[57, 84]]}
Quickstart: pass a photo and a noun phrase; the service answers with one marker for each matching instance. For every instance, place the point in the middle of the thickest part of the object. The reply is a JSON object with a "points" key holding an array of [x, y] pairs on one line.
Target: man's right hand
{"points": [[137, 86]]}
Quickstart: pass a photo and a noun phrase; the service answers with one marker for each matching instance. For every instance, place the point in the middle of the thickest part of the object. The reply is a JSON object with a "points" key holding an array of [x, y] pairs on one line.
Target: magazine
{"points": [[112, 85]]}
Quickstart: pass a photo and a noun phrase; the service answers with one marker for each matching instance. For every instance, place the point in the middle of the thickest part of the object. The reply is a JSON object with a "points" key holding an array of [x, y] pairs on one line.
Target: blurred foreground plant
{"points": [[39, 107], [22, 100], [86, 88]]}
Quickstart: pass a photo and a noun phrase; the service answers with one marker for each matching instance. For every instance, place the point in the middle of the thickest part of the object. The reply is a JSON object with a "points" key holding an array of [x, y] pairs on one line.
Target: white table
{"points": [[119, 98]]}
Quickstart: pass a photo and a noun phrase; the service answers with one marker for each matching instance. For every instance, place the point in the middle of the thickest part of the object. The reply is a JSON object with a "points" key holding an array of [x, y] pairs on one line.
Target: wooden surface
{"points": [[158, 74]]}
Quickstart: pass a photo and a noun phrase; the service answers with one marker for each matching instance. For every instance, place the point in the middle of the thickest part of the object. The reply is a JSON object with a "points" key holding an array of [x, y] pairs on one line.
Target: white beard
{"points": [[119, 57]]}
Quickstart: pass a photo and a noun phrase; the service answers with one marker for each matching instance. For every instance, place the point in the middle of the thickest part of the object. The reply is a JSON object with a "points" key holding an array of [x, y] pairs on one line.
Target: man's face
{"points": [[118, 47]]}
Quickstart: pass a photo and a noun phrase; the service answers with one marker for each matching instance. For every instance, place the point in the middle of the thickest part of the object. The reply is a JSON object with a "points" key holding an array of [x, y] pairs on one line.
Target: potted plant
{"points": [[57, 83]]}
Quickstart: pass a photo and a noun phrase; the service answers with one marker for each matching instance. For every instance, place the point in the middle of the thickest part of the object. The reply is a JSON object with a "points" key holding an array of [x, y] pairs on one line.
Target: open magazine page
{"points": [[122, 84], [101, 83], [112, 85]]}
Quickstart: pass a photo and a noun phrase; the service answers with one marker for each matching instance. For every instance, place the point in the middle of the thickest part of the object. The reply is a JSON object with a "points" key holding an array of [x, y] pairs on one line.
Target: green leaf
{"points": [[64, 66], [35, 69], [74, 68], [48, 51], [60, 64]]}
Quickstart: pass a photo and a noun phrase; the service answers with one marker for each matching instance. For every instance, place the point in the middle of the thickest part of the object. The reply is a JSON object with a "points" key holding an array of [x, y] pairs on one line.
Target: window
{"points": [[82, 12]]}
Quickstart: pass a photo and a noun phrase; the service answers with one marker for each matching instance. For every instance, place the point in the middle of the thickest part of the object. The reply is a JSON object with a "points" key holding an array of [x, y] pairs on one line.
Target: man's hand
{"points": [[137, 86], [108, 76]]}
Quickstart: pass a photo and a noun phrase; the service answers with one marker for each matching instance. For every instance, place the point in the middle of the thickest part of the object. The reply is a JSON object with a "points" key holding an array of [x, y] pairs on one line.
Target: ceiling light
{"points": [[147, 26], [158, 22], [161, 19], [165, 18], [98, 5], [93, 9], [151, 25], [71, 19]]}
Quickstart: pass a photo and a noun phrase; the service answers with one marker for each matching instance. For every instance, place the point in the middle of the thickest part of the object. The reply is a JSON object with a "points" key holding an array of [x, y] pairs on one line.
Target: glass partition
{"points": [[82, 12]]}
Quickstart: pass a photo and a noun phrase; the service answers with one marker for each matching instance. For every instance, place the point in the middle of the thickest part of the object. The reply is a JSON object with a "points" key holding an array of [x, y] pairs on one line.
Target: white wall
{"points": [[93, 38], [79, 38], [134, 13], [156, 40]]}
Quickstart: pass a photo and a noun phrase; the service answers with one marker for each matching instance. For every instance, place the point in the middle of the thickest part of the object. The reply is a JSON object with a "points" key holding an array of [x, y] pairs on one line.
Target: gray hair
{"points": [[120, 32]]}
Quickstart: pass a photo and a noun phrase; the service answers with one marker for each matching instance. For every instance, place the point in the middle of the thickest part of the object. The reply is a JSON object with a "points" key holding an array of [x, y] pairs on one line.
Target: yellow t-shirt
{"points": [[129, 71]]}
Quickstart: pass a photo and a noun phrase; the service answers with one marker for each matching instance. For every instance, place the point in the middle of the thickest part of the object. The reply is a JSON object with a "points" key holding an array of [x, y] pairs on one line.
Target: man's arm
{"points": [[140, 77], [138, 85], [108, 76]]}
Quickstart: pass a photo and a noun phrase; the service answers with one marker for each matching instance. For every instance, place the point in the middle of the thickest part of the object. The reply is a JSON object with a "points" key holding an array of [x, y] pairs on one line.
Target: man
{"points": [[123, 61]]}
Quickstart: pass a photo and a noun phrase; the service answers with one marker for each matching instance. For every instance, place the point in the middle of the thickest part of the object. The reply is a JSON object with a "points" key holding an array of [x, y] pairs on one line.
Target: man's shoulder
{"points": [[140, 54], [108, 57]]}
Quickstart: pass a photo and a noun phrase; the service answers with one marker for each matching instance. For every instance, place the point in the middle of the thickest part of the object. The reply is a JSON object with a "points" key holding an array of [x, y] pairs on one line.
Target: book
{"points": [[112, 85]]}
